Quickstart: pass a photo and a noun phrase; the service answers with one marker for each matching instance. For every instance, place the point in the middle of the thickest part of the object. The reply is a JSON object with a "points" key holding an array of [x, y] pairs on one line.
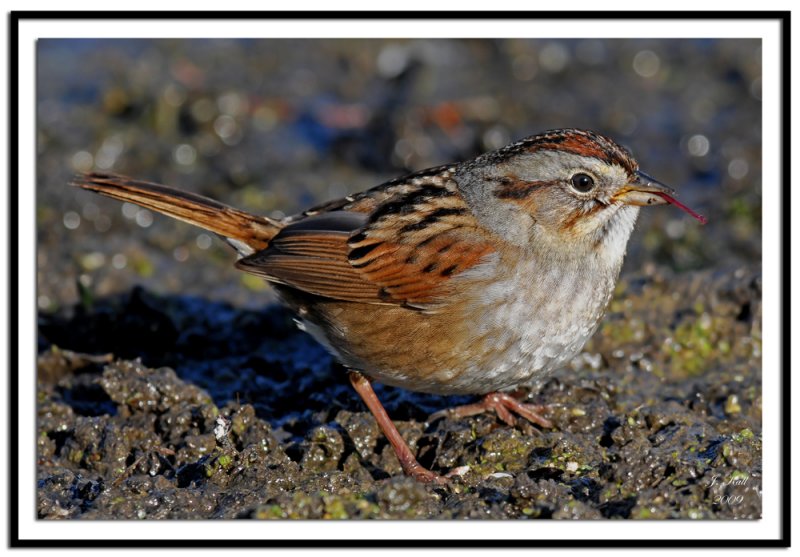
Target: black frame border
{"points": [[15, 17]]}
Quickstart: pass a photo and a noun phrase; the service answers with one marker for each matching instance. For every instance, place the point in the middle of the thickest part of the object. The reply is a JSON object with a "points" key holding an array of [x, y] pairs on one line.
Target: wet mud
{"points": [[194, 409]]}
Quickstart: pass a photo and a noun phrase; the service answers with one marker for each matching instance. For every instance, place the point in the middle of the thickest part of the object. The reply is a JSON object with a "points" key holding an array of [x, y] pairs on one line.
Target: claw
{"points": [[503, 405]]}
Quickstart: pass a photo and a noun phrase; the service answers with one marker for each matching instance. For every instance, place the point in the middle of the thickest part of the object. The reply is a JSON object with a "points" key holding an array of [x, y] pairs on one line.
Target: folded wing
{"points": [[403, 248]]}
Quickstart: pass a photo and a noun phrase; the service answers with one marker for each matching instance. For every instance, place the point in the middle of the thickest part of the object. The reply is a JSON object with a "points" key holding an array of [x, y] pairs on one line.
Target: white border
{"points": [[768, 528]]}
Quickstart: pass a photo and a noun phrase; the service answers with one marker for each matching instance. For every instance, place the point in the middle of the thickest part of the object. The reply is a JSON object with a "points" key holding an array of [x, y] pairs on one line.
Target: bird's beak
{"points": [[644, 190]]}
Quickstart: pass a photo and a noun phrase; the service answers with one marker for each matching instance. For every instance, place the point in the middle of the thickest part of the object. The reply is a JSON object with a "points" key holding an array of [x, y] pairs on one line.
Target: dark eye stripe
{"points": [[519, 189]]}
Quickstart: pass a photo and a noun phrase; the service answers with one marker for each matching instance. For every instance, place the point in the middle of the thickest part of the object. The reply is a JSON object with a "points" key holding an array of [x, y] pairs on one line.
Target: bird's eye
{"points": [[582, 183]]}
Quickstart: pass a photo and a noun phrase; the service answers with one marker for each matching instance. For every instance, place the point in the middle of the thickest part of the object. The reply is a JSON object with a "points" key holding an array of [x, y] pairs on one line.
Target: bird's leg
{"points": [[503, 405], [408, 461]]}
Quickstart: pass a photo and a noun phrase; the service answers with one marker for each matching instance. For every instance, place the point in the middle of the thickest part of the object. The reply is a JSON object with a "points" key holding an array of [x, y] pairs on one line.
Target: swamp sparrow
{"points": [[470, 278]]}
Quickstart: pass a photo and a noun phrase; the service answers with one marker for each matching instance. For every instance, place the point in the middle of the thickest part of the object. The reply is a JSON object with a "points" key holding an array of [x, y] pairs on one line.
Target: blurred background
{"points": [[273, 126]]}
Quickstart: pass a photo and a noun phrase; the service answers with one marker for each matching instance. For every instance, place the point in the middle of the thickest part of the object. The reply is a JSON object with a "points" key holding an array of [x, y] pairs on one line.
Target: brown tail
{"points": [[251, 230]]}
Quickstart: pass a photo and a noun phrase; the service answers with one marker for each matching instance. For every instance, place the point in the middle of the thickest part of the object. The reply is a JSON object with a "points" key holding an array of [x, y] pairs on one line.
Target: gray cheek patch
{"points": [[507, 220]]}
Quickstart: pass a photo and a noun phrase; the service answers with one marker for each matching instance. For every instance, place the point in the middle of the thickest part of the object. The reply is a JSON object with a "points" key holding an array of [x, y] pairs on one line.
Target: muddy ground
{"points": [[202, 410], [148, 336]]}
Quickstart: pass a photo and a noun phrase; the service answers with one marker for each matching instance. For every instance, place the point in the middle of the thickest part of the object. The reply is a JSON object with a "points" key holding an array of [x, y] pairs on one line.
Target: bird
{"points": [[472, 278]]}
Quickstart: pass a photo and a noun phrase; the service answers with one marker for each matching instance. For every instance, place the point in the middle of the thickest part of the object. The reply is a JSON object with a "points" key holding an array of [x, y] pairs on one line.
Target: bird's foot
{"points": [[504, 405]]}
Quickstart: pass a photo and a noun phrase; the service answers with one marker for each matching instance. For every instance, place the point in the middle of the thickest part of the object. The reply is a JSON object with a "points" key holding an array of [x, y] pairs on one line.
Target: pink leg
{"points": [[503, 405], [408, 461]]}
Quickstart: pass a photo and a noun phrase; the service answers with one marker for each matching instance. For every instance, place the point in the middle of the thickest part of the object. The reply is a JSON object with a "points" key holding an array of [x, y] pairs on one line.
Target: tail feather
{"points": [[241, 228]]}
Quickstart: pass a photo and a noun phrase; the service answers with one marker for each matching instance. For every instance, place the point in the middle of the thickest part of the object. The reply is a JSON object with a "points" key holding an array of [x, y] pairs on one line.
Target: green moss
{"points": [[643, 512], [619, 332], [366, 507], [238, 424], [335, 509], [504, 450], [320, 435], [732, 405], [269, 512], [692, 346], [210, 468], [76, 456], [143, 266], [743, 435], [322, 504]]}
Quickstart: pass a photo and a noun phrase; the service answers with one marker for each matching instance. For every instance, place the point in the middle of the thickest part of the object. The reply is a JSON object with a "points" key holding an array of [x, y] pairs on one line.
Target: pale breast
{"points": [[498, 334], [528, 322], [533, 323]]}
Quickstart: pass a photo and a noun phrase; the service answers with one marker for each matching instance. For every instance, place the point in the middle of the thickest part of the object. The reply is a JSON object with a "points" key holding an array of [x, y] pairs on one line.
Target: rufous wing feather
{"points": [[405, 251], [418, 270], [311, 255], [400, 243]]}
